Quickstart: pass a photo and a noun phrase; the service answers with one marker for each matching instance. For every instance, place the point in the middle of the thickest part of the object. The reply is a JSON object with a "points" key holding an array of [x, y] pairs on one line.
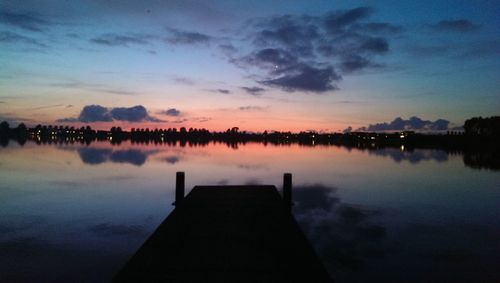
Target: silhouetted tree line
{"points": [[20, 133], [485, 127], [483, 132], [479, 145]]}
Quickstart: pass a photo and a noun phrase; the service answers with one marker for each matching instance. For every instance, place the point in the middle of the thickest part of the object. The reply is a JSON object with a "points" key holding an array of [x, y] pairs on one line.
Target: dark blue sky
{"points": [[284, 65]]}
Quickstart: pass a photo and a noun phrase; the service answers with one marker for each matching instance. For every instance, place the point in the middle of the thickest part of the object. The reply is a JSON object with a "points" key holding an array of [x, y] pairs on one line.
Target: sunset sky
{"points": [[258, 65]]}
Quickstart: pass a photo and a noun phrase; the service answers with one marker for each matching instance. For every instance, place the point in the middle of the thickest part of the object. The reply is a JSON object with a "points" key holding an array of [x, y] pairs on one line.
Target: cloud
{"points": [[95, 113], [47, 107], [125, 40], [276, 60], [200, 119], [13, 38], [91, 87], [183, 80], [378, 28], [306, 78], [341, 19], [26, 21], [223, 91], [14, 119], [287, 32], [253, 90], [374, 45], [251, 108], [461, 25], [171, 112], [412, 124], [311, 53], [132, 114], [180, 37], [98, 113], [228, 48]]}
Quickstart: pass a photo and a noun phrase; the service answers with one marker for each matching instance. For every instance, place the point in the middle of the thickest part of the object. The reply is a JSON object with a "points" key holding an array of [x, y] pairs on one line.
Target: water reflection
{"points": [[370, 215], [483, 159], [171, 159], [94, 156], [476, 158], [345, 235], [414, 156]]}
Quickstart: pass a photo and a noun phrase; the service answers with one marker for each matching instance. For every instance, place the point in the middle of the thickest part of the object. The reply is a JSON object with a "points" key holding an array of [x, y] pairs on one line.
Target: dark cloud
{"points": [[113, 39], [286, 32], [219, 90], [306, 78], [26, 21], [95, 113], [180, 37], [132, 114], [171, 112], [338, 20], [223, 91], [378, 28], [354, 63], [228, 48], [461, 25], [276, 60], [347, 130], [310, 53], [412, 124], [253, 90], [98, 113], [374, 45], [12, 38]]}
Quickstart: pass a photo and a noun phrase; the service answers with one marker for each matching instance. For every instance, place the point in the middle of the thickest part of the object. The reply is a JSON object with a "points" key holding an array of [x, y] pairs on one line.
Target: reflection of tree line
{"points": [[479, 143]]}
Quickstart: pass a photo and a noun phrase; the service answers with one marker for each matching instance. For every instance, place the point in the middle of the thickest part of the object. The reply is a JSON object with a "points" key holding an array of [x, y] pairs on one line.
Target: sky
{"points": [[257, 65]]}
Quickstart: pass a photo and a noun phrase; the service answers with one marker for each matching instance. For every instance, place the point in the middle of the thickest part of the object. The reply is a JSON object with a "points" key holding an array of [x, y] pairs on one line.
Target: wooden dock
{"points": [[227, 234]]}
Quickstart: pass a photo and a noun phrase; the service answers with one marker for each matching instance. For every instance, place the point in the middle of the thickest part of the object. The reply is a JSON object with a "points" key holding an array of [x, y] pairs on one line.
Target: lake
{"points": [[72, 211]]}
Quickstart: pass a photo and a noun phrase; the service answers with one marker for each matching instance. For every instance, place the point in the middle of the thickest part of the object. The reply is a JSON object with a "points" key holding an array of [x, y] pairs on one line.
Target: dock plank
{"points": [[227, 234]]}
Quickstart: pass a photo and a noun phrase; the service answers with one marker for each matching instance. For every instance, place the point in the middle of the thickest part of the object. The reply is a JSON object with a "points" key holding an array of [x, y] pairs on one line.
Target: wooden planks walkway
{"points": [[227, 234]]}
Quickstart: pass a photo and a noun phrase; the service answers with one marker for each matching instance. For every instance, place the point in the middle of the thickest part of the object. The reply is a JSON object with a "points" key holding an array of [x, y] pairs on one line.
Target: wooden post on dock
{"points": [[287, 190], [179, 188]]}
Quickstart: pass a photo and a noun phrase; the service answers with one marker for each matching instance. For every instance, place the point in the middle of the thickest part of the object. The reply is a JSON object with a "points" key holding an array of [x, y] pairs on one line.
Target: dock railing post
{"points": [[179, 188], [287, 190]]}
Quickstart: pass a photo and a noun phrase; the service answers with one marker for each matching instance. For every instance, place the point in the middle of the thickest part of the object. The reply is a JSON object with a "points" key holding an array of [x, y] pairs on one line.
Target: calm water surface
{"points": [[76, 211]]}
